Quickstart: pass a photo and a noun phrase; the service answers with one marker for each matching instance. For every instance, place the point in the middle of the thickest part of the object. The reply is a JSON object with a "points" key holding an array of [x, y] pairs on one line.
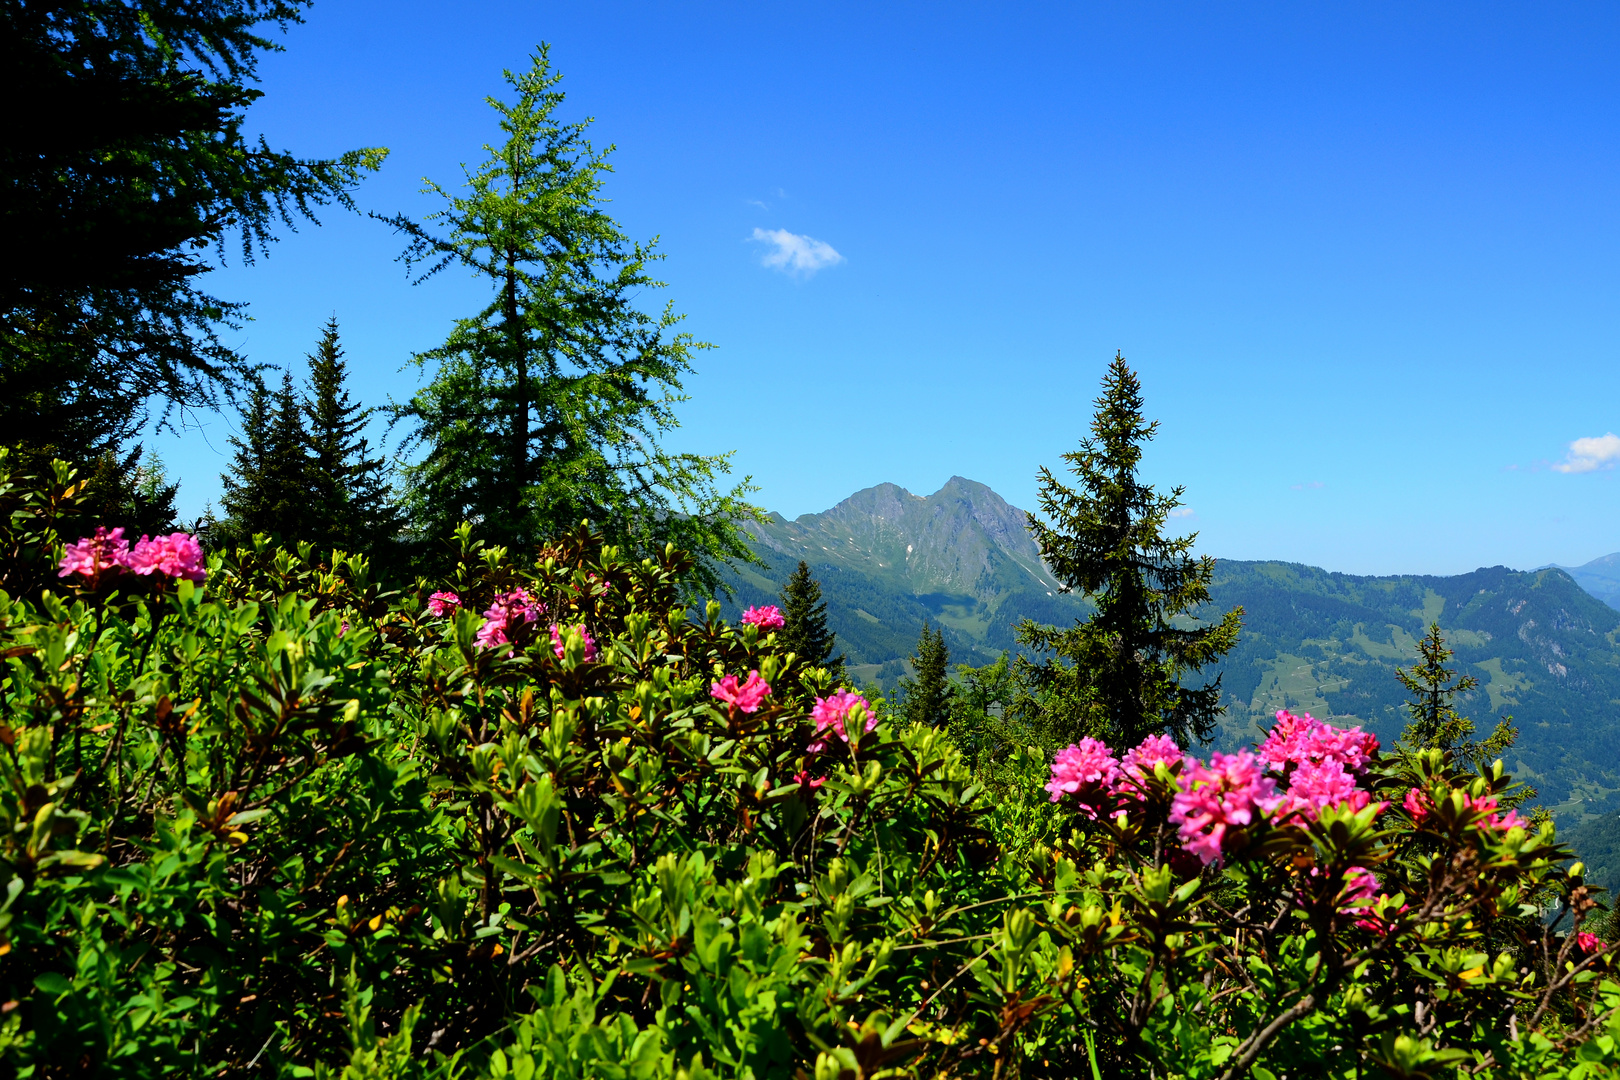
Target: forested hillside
{"points": [[1544, 650]]}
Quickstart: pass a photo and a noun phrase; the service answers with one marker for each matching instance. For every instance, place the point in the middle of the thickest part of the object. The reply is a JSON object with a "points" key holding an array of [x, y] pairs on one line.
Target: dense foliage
{"points": [[127, 164], [539, 819]]}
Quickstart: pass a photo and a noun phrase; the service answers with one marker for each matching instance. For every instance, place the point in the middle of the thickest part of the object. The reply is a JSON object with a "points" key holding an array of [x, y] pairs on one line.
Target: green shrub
{"points": [[283, 823]]}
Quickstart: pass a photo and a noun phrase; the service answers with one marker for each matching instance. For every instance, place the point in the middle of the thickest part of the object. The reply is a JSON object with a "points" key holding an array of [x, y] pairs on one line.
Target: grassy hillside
{"points": [[1544, 650]]}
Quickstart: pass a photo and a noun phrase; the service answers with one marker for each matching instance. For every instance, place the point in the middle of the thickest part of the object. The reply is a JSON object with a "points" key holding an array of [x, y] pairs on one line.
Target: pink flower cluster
{"points": [[1321, 763], [1089, 773], [1086, 770], [177, 555], [1588, 943], [1232, 790], [509, 610], [766, 618], [830, 714], [747, 697], [443, 603], [560, 646], [1299, 740], [1418, 804]]}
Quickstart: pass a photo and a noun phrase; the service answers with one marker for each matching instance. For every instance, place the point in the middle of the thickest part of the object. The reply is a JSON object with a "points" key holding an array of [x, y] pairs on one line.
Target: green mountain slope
{"points": [[1600, 577], [1544, 650]]}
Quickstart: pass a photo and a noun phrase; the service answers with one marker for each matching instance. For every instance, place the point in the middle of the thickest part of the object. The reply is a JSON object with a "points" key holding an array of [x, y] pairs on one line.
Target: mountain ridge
{"points": [[1543, 648]]}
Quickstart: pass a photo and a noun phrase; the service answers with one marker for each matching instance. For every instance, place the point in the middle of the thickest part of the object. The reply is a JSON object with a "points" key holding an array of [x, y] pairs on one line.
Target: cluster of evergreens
{"points": [[416, 775]]}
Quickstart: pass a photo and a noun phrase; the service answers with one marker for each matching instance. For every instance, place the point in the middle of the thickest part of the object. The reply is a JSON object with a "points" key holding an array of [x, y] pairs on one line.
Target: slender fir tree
{"points": [[1435, 722], [350, 502], [928, 694], [1119, 674], [267, 489], [804, 614], [546, 407]]}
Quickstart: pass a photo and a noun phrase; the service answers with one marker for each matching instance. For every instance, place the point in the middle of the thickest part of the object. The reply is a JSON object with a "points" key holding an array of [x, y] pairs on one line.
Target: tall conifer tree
{"points": [[348, 489], [546, 407], [267, 488], [928, 695], [1436, 724], [804, 615], [1119, 674]]}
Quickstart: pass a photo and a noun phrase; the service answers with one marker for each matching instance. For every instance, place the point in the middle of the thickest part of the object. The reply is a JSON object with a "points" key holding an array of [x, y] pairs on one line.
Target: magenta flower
{"points": [[443, 603], [748, 697], [178, 555], [1227, 792], [1313, 786], [1139, 763], [830, 714], [560, 647], [1087, 771], [806, 781], [94, 554], [508, 610], [1300, 740], [1588, 943], [1417, 804], [766, 618]]}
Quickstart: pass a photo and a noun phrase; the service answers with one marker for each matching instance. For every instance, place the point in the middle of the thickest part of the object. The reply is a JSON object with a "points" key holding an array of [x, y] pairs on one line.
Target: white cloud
{"points": [[1596, 452], [1182, 511], [795, 254]]}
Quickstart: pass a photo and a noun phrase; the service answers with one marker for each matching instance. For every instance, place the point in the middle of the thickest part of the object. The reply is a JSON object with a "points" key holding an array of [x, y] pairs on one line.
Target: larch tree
{"points": [[546, 407], [1120, 674]]}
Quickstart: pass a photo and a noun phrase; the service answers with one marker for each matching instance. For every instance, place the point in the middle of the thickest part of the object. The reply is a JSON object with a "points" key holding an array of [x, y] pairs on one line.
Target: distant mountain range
{"points": [[1544, 649]]}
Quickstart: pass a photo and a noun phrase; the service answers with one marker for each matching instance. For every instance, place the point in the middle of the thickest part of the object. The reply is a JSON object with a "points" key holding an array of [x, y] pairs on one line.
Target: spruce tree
{"points": [[1435, 722], [350, 506], [267, 488], [546, 407], [804, 616], [928, 694], [1119, 675]]}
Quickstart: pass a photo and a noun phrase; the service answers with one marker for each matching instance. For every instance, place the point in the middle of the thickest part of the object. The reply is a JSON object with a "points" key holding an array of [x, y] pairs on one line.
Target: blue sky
{"points": [[1365, 257]]}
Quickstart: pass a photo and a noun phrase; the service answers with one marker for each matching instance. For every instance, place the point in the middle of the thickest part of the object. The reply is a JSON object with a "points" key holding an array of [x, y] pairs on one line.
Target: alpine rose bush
{"points": [[1086, 771], [747, 697], [508, 611], [443, 603], [560, 646], [177, 555], [1231, 790], [768, 617], [831, 713]]}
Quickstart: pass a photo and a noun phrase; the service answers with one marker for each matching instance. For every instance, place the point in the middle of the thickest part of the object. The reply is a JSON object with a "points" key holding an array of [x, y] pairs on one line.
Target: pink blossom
{"points": [[768, 617], [1087, 771], [1487, 803], [1417, 804], [1314, 786], [1301, 739], [94, 554], [1139, 762], [1588, 943], [806, 781], [830, 713], [746, 697], [560, 647], [1229, 791], [507, 611], [178, 555], [443, 603]]}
